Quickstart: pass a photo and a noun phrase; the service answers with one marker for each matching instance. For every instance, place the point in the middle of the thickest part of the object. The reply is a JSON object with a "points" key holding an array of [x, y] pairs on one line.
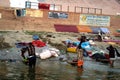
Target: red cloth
{"points": [[38, 43], [44, 6], [107, 56]]}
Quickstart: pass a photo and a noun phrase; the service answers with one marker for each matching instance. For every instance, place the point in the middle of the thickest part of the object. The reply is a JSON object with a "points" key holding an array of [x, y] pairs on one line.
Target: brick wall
{"points": [[9, 21]]}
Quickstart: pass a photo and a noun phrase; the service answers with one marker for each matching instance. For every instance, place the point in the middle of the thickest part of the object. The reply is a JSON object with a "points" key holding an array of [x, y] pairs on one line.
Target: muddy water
{"points": [[12, 68]]}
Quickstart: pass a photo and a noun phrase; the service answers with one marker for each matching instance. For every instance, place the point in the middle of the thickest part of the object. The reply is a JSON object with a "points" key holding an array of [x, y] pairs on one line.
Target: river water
{"points": [[12, 68]]}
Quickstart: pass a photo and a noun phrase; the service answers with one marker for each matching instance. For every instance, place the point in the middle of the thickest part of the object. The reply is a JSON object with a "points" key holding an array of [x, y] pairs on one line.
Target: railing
{"points": [[77, 9], [88, 10]]}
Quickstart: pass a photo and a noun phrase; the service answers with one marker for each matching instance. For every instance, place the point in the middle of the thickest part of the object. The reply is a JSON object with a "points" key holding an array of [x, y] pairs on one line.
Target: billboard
{"points": [[94, 20]]}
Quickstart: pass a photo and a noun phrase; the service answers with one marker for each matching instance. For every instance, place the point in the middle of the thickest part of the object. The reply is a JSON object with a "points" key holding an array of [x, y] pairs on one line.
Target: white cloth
{"points": [[46, 52]]}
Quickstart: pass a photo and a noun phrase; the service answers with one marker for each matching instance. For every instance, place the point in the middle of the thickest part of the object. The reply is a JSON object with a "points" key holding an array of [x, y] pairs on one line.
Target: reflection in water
{"points": [[79, 73], [3, 70], [31, 73], [22, 77], [113, 76], [54, 70]]}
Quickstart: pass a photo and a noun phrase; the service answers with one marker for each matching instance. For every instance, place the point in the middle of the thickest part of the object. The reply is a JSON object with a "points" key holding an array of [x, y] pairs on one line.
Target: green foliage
{"points": [[34, 32], [4, 31]]}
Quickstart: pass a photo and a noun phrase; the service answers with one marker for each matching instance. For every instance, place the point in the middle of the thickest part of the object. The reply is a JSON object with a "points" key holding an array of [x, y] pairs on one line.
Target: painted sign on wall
{"points": [[34, 13], [94, 20], [58, 15]]}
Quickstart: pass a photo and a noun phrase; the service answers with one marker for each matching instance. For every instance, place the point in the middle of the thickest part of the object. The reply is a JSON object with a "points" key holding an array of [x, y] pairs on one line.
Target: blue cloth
{"points": [[35, 37], [105, 30], [68, 41], [85, 53], [76, 43], [86, 45]]}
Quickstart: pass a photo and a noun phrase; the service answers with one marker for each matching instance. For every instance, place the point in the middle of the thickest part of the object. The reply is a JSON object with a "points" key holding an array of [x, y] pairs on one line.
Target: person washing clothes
{"points": [[31, 58], [111, 50], [80, 52]]}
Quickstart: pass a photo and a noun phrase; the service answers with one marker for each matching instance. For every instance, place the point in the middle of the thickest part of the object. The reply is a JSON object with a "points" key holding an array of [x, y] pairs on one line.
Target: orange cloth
{"points": [[82, 28], [80, 63]]}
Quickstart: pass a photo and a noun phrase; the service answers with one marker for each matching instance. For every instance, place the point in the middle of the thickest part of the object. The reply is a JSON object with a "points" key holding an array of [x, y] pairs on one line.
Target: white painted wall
{"points": [[21, 3]]}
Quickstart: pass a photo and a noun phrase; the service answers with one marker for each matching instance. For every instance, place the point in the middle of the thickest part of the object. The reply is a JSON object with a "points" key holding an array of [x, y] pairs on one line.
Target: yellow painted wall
{"points": [[34, 13]]}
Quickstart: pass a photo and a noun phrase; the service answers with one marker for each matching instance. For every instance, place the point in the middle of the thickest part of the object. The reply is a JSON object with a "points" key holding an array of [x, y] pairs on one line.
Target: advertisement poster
{"points": [[94, 20]]}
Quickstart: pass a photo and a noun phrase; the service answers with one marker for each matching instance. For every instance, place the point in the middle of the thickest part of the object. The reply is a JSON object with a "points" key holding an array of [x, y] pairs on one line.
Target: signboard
{"points": [[59, 15], [34, 13], [94, 20]]}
